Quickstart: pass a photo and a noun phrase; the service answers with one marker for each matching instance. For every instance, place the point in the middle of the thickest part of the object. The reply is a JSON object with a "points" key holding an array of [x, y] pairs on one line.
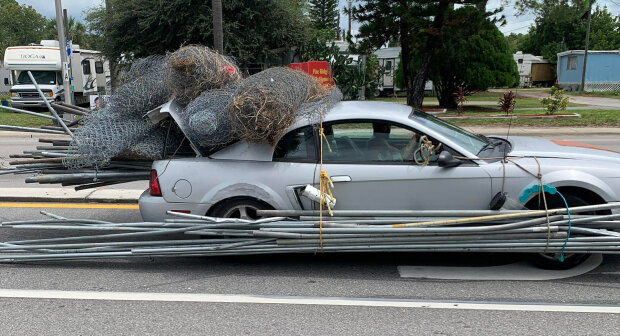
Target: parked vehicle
{"points": [[88, 69], [388, 60], [464, 173]]}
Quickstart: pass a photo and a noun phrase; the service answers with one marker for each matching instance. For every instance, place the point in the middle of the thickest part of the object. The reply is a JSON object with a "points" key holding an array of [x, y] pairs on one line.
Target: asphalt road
{"points": [[348, 294]]}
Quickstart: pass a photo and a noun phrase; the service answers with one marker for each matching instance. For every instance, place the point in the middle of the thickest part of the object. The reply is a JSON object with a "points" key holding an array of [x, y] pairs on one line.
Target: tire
{"points": [[550, 261], [244, 208]]}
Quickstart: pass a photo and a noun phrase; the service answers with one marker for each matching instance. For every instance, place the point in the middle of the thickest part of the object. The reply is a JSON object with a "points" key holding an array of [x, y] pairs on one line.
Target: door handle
{"points": [[341, 178]]}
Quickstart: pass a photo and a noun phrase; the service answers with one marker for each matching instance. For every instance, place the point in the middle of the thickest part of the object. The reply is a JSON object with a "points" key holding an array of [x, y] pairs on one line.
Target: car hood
{"points": [[561, 149]]}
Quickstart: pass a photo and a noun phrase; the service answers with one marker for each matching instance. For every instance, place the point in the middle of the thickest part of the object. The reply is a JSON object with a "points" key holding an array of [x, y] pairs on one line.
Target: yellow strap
{"points": [[325, 182]]}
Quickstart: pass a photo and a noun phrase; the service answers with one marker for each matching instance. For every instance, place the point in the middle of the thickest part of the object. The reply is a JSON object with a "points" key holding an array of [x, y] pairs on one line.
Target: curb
{"points": [[64, 195]]}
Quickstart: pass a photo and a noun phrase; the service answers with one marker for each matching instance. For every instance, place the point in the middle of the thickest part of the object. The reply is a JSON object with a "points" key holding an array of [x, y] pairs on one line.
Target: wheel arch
{"points": [[220, 203], [258, 193], [578, 182]]}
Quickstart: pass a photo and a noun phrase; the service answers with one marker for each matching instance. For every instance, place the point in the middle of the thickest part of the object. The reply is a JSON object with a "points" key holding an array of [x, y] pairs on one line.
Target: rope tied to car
{"points": [[425, 151], [325, 182]]}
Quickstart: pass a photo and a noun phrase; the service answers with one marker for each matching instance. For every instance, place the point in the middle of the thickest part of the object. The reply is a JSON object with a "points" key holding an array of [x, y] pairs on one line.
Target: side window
{"points": [[571, 63], [99, 67], [373, 142], [86, 67], [297, 146], [388, 65]]}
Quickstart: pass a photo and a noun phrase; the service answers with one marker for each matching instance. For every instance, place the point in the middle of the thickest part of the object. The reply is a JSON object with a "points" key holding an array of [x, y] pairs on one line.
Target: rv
{"points": [[388, 60], [89, 72]]}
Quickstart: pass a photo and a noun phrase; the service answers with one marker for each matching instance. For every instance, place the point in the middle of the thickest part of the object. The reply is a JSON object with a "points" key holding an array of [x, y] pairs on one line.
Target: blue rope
{"points": [[552, 191], [561, 258]]}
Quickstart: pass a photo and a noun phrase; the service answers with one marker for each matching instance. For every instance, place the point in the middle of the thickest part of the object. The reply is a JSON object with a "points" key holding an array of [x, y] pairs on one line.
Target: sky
{"points": [[515, 24]]}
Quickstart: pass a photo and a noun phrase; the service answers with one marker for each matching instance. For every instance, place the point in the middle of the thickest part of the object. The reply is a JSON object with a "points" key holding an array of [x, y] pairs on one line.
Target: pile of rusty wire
{"points": [[576, 230], [118, 143]]}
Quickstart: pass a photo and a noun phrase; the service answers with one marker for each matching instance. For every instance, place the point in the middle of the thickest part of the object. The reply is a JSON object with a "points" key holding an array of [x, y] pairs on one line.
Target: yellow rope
{"points": [[325, 183], [425, 150]]}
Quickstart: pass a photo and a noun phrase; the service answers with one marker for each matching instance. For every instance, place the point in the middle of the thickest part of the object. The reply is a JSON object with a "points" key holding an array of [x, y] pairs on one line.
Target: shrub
{"points": [[507, 102], [556, 101]]}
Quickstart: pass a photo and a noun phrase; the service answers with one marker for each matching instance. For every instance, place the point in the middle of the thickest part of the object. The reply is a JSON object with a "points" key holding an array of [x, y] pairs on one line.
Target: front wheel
{"points": [[550, 261]]}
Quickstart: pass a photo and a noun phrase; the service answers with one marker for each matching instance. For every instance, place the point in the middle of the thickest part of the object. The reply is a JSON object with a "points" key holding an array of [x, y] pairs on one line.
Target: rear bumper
{"points": [[154, 208]]}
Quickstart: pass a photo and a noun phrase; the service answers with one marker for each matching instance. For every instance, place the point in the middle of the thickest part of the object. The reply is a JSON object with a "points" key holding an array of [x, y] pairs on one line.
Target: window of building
{"points": [[99, 67], [297, 146], [571, 63], [388, 65], [86, 67]]}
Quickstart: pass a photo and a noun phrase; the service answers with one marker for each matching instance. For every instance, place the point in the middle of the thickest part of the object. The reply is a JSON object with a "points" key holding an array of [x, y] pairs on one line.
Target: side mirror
{"points": [[446, 160], [6, 81]]}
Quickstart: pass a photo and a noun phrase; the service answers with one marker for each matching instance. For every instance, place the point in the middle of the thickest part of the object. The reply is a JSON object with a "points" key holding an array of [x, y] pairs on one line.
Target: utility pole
{"points": [[350, 13], [66, 25], [112, 63], [218, 33], [585, 54], [62, 45]]}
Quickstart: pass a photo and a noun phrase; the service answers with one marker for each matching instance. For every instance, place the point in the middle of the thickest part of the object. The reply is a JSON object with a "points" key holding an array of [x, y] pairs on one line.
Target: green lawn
{"points": [[589, 118], [20, 119], [476, 97]]}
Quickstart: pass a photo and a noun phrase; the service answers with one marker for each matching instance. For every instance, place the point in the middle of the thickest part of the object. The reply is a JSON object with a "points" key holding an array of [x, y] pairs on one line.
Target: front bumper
{"points": [[154, 208], [21, 103]]}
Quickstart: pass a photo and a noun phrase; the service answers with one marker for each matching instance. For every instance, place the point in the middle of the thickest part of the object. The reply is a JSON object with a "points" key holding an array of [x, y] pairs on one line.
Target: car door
{"points": [[365, 179], [294, 165]]}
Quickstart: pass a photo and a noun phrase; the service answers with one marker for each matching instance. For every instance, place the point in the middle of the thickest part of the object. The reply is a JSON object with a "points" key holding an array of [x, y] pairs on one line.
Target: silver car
{"points": [[372, 152]]}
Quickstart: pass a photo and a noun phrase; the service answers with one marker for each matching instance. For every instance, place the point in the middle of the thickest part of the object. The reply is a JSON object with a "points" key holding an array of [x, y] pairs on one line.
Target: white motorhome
{"points": [[388, 59], [89, 71]]}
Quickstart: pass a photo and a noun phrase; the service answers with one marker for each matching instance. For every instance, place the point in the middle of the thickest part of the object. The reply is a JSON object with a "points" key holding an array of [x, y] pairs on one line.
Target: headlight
{"points": [[14, 95], [49, 94]]}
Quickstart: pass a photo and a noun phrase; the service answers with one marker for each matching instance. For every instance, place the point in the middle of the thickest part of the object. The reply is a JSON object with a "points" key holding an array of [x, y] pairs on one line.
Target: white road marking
{"points": [[516, 272], [305, 300]]}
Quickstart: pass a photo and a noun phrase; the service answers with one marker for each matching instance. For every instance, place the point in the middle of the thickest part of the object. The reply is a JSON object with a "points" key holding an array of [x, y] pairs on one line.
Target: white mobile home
{"points": [[533, 70], [5, 80], [89, 73]]}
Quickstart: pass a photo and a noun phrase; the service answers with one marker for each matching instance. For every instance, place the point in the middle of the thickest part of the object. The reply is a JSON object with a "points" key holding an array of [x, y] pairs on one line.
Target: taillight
{"points": [[154, 189]]}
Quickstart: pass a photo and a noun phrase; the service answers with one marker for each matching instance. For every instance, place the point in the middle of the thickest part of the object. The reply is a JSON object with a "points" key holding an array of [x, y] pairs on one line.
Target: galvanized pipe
{"points": [[49, 107]]}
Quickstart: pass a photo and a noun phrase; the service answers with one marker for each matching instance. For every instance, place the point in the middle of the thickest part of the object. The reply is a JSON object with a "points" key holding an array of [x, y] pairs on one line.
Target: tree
{"points": [[559, 27], [76, 32], [324, 15], [19, 25], [514, 40], [348, 74], [472, 62], [417, 25], [255, 30]]}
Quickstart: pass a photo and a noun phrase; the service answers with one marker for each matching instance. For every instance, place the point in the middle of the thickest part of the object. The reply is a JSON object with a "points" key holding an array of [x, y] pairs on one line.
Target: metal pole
{"points": [[49, 107], [62, 45], [585, 54], [218, 33]]}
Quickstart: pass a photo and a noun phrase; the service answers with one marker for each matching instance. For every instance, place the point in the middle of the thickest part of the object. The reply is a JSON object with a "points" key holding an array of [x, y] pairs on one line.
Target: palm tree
{"points": [[218, 34]]}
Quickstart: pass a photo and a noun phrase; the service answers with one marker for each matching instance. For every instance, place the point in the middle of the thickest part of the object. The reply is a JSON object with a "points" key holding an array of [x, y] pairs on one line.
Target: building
{"points": [[534, 70], [602, 70]]}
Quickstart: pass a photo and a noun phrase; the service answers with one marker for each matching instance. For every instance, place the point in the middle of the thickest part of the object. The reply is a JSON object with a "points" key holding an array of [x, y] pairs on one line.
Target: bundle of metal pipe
{"points": [[522, 232], [51, 155]]}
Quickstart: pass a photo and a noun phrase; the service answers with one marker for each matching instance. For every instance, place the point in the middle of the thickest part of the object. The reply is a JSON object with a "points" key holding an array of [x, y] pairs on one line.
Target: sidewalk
{"points": [[69, 195]]}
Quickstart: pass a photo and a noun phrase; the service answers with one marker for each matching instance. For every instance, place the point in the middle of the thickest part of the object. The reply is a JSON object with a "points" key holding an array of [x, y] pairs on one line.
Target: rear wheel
{"points": [[550, 260], [244, 208]]}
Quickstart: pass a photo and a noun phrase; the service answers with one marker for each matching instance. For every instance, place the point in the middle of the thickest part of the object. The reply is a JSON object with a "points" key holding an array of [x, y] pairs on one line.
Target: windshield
{"points": [[471, 142], [42, 77]]}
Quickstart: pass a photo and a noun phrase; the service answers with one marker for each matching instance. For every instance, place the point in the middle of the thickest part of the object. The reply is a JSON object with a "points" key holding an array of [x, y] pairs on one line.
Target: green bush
{"points": [[556, 101]]}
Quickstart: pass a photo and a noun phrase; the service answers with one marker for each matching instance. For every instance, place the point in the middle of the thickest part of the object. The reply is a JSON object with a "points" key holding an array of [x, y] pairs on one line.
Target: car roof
{"points": [[360, 110]]}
